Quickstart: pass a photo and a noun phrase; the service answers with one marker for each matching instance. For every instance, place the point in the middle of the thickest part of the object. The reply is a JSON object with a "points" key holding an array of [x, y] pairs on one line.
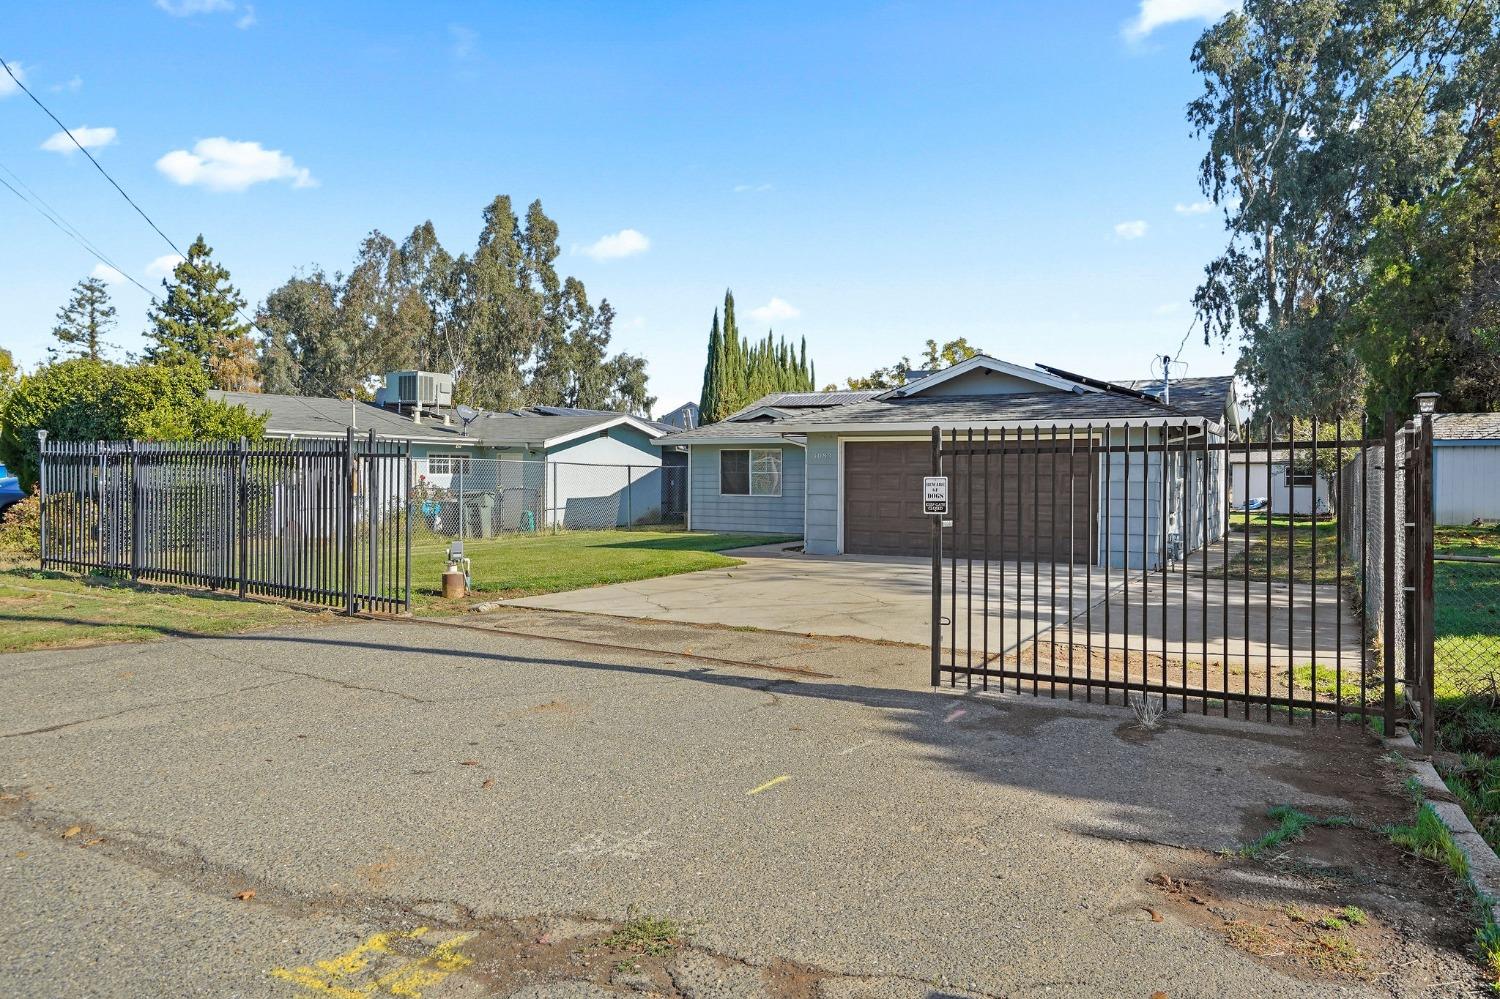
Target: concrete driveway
{"points": [[438, 810], [1254, 629]]}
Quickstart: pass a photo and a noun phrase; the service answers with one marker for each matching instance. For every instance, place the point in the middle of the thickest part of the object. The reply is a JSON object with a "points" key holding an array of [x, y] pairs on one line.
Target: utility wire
{"points": [[90, 155], [77, 238], [131, 201], [36, 199]]}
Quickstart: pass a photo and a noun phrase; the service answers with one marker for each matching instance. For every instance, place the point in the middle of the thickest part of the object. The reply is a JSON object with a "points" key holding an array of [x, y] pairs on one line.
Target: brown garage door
{"points": [[1041, 505]]}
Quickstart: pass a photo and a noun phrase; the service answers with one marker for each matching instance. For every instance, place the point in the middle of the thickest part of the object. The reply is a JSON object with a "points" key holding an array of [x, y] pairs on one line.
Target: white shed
{"points": [[1466, 467]]}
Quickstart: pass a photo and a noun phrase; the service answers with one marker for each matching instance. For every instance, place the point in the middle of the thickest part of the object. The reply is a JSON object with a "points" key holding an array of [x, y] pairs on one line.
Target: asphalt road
{"points": [[841, 834]]}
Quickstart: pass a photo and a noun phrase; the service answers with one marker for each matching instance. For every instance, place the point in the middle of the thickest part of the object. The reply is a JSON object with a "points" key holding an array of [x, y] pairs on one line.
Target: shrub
{"points": [[21, 529], [83, 399]]}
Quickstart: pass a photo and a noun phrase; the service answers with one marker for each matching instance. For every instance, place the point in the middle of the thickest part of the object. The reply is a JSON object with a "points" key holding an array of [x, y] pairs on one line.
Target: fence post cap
{"points": [[41, 437]]}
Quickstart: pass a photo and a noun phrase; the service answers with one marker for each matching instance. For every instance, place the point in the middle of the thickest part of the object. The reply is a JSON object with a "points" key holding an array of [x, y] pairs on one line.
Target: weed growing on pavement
{"points": [[1291, 823], [1428, 838], [1148, 711], [649, 935]]}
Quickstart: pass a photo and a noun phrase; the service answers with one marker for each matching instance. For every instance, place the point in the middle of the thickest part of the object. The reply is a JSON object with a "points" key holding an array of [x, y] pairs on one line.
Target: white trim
{"points": [[1036, 375], [752, 414], [688, 515], [839, 520], [730, 441], [946, 425], [750, 476], [277, 433], [610, 424]]}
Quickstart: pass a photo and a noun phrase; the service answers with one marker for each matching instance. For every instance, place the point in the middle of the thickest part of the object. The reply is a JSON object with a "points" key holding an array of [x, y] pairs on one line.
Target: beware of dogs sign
{"points": [[935, 495]]}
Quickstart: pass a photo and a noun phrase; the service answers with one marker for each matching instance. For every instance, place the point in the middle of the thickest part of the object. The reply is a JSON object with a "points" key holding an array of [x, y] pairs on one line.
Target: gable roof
{"points": [[1039, 375], [534, 426], [741, 427], [319, 416], [1466, 426]]}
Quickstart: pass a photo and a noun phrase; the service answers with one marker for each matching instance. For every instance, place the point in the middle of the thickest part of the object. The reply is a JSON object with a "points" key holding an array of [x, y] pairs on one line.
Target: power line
{"points": [[97, 166], [68, 227], [90, 155], [76, 237]]}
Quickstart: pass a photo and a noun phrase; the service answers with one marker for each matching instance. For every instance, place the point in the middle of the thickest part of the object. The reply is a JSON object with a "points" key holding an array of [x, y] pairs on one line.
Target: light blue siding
{"points": [[711, 511], [605, 479], [822, 534]]}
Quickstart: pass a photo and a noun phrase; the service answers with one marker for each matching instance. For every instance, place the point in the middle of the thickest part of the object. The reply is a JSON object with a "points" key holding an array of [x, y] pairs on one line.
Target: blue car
{"points": [[10, 489]]}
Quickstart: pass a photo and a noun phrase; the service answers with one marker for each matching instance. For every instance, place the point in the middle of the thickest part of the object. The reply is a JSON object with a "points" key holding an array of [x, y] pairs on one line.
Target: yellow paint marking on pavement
{"points": [[769, 784], [351, 975]]}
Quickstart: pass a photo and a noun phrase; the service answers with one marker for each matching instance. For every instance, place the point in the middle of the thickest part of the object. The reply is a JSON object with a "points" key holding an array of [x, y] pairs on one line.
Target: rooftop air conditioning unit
{"points": [[428, 389]]}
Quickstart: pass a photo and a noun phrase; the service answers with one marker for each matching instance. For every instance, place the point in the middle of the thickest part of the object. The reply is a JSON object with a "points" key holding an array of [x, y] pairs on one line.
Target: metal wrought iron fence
{"points": [[321, 522], [476, 498], [1141, 561]]}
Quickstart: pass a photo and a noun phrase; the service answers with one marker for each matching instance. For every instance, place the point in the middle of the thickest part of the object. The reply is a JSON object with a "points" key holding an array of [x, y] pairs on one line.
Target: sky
{"points": [[866, 175]]}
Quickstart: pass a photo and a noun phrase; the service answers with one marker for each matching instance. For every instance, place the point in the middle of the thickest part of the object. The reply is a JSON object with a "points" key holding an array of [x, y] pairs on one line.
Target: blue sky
{"points": [[869, 175]]}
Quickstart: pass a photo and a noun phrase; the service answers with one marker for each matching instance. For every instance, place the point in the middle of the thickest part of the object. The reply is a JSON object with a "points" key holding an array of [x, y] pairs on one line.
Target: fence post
{"points": [[936, 528], [242, 513], [135, 512], [552, 514], [41, 478], [1388, 580], [348, 526], [629, 495], [406, 516], [1426, 604], [372, 487]]}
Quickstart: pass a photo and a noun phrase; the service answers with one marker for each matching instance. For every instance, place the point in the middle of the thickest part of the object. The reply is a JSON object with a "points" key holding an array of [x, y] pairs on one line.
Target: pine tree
{"points": [[199, 318], [83, 322]]}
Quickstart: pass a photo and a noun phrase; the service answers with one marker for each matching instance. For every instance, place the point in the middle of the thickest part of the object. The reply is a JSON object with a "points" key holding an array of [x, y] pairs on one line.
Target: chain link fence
{"points": [[1466, 612], [461, 498]]}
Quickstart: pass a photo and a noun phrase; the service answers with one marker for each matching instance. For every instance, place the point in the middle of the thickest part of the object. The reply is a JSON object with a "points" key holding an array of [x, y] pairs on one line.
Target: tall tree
{"points": [[708, 399], [199, 318], [85, 320], [306, 350], [1321, 114], [935, 356], [737, 373]]}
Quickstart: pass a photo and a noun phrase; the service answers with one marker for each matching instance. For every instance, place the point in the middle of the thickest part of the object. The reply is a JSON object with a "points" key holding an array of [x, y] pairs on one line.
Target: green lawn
{"points": [[528, 564], [54, 610], [1291, 542]]}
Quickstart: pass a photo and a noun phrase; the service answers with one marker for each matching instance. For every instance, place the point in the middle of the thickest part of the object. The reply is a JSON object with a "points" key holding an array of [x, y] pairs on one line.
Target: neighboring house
{"points": [[684, 417], [844, 469], [1466, 467], [518, 469], [1303, 493]]}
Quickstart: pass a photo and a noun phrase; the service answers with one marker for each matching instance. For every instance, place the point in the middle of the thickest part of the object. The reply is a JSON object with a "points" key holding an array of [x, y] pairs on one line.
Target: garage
{"points": [[1041, 504]]}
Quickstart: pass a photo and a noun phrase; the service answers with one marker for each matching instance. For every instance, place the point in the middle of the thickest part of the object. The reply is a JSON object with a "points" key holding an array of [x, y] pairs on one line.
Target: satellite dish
{"points": [[467, 415]]}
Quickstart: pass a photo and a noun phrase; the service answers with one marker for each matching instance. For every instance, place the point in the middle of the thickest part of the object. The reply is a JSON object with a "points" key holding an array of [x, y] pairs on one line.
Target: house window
{"points": [[1299, 478], [752, 472], [447, 464]]}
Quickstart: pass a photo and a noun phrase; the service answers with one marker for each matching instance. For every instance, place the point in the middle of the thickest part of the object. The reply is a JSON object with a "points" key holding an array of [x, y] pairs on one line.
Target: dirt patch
{"points": [[1338, 905]]}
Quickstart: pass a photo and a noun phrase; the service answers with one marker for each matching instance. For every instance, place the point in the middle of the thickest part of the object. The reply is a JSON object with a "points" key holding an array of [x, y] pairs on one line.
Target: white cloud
{"points": [[1155, 14], [775, 310], [222, 164], [88, 138], [1167, 309], [162, 265], [464, 42], [751, 188], [247, 19], [187, 8], [107, 274], [72, 86], [625, 243], [1196, 208], [1134, 229], [7, 85]]}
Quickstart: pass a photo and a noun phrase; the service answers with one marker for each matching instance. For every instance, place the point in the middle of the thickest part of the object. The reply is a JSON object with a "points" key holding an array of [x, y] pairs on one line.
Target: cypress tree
{"points": [[708, 401]]}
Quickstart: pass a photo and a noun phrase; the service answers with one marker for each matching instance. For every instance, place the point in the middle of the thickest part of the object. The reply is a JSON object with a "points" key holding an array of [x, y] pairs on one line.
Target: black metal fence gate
{"points": [[322, 522], [1165, 563]]}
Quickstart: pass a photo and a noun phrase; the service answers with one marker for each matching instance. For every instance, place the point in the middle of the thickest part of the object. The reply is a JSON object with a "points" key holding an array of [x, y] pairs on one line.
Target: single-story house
{"points": [[1466, 467], [518, 469], [844, 469], [1283, 489]]}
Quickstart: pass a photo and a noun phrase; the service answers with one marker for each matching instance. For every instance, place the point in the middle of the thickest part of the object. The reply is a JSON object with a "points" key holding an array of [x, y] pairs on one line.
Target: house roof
{"points": [[537, 426], [1466, 426], [786, 406], [1040, 408], [318, 416]]}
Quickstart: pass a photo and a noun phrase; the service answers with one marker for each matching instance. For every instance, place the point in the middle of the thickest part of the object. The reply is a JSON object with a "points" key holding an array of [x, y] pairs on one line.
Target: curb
{"points": [[1484, 865]]}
